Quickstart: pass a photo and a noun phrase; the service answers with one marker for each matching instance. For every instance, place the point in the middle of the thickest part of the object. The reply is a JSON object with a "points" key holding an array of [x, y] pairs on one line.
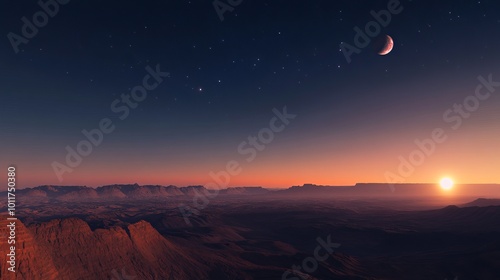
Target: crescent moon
{"points": [[389, 44]]}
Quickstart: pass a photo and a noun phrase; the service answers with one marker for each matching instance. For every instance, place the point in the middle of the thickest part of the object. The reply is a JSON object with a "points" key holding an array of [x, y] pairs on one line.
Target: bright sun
{"points": [[446, 184]]}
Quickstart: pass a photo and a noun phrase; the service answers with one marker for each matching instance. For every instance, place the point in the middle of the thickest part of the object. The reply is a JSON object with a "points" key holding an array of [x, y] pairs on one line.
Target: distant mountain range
{"points": [[482, 202], [135, 191]]}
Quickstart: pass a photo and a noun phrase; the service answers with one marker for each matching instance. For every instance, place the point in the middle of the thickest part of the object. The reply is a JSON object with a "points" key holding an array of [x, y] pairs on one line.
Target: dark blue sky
{"points": [[225, 79]]}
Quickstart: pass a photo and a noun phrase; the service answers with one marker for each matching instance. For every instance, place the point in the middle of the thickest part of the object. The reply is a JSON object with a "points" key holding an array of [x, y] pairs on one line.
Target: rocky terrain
{"points": [[138, 232]]}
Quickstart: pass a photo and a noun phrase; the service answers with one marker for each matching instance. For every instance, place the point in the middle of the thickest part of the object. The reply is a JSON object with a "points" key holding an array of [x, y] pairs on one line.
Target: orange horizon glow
{"points": [[180, 179], [321, 171], [356, 156]]}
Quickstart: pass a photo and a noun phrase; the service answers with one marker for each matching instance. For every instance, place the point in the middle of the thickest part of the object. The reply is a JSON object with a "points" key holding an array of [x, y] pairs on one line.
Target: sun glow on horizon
{"points": [[446, 184]]}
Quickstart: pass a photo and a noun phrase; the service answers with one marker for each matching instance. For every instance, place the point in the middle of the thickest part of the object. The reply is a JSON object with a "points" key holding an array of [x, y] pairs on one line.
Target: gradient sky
{"points": [[353, 120]]}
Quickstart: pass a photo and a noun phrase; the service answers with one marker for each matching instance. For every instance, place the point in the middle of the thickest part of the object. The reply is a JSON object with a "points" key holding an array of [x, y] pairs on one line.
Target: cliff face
{"points": [[69, 249], [31, 258]]}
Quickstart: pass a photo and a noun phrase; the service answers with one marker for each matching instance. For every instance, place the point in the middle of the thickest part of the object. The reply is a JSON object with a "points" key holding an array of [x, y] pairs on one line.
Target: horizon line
{"points": [[254, 186]]}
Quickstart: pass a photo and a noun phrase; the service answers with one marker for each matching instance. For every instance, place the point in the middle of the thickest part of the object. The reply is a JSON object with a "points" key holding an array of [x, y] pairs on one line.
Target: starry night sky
{"points": [[353, 119]]}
